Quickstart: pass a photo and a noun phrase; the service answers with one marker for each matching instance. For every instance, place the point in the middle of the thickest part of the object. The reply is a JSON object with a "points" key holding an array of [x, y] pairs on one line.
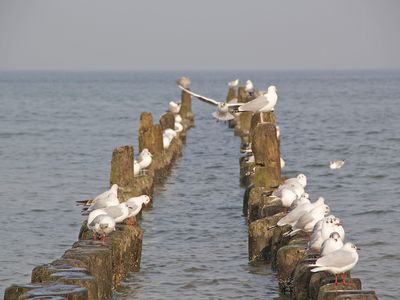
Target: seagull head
{"points": [[272, 89]]}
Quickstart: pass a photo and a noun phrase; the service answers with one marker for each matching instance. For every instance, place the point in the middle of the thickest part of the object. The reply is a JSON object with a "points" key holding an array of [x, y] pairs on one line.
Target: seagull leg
{"points": [[262, 117], [94, 236], [344, 275], [336, 283]]}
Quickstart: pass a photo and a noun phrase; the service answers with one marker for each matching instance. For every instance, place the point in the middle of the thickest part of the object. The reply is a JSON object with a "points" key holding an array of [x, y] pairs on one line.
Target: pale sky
{"points": [[199, 35]]}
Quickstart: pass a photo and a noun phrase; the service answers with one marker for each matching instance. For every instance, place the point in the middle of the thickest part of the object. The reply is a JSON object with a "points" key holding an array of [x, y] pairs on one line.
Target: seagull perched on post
{"points": [[223, 113], [263, 103]]}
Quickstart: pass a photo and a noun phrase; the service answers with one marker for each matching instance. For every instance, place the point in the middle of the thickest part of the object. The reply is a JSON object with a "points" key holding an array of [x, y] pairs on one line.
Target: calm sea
{"points": [[58, 130]]}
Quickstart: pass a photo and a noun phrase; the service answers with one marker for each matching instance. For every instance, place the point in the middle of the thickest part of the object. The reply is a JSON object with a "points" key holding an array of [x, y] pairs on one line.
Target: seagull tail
{"points": [[317, 269], [83, 202], [291, 233]]}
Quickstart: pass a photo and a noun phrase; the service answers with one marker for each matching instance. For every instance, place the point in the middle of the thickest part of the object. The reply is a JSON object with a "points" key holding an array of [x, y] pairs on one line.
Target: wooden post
{"points": [[231, 94], [242, 94], [150, 136], [167, 120], [186, 106], [265, 147], [268, 117], [122, 166]]}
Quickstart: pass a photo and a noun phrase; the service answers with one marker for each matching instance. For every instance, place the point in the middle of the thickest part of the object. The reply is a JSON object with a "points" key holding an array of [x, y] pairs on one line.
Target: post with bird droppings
{"points": [[265, 147]]}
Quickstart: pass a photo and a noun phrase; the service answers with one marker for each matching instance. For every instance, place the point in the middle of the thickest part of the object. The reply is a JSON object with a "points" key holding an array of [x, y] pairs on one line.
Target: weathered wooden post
{"points": [[167, 120], [242, 94], [122, 166], [231, 94], [186, 100], [265, 147], [150, 135]]}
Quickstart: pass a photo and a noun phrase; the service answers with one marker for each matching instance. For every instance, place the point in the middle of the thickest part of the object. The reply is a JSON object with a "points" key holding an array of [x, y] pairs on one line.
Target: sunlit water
{"points": [[58, 130]]}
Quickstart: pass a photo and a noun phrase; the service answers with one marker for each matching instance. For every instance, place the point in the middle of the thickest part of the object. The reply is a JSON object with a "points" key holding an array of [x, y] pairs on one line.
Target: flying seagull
{"points": [[223, 112]]}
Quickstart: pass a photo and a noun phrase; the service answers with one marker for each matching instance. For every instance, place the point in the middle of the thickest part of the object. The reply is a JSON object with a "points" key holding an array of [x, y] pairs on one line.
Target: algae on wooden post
{"points": [[265, 147], [122, 166]]}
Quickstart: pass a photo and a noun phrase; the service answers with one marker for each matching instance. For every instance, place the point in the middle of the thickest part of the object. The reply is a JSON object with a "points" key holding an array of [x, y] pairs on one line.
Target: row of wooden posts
{"points": [[286, 255], [92, 269]]}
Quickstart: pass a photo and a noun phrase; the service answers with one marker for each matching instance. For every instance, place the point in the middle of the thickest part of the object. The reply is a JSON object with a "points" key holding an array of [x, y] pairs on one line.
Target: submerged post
{"points": [[265, 147]]}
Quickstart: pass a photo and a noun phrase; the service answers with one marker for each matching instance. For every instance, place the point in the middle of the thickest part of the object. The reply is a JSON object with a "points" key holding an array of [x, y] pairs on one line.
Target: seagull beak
{"points": [[358, 248], [338, 224]]}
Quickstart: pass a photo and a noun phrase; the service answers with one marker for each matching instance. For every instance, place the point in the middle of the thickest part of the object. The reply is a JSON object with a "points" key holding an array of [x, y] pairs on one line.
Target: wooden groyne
{"points": [[286, 255], [91, 269]]}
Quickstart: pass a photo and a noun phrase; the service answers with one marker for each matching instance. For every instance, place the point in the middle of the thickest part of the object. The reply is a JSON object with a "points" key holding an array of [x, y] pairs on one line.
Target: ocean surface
{"points": [[58, 131]]}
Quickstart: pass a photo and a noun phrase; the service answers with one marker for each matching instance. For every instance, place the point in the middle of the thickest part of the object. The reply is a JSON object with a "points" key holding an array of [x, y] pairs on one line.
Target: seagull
{"points": [[223, 112], [144, 159], [283, 163], [249, 87], [293, 216], [135, 205], [174, 107], [307, 221], [103, 224], [178, 127], [178, 118], [102, 202], [305, 198], [101, 197], [118, 212], [233, 83], [336, 164], [338, 262], [184, 82], [263, 103], [323, 230], [136, 168], [333, 243], [166, 141]]}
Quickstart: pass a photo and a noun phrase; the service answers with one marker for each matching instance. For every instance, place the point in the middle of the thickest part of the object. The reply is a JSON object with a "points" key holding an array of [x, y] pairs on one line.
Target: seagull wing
{"points": [[254, 105], [200, 97], [339, 258]]}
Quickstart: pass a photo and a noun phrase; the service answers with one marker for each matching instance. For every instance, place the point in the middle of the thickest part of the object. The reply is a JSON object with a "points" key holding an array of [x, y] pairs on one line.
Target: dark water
{"points": [[58, 130]]}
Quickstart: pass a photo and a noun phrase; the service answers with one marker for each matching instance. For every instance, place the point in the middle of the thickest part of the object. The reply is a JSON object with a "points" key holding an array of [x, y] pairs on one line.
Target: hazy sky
{"points": [[199, 35]]}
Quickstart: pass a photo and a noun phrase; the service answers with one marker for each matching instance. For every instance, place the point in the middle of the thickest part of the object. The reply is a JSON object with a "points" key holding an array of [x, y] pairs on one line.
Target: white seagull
{"points": [[136, 168], [336, 164], [333, 243], [338, 262], [223, 112], [174, 107], [103, 224], [249, 87], [233, 83], [263, 103], [135, 205], [144, 158]]}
